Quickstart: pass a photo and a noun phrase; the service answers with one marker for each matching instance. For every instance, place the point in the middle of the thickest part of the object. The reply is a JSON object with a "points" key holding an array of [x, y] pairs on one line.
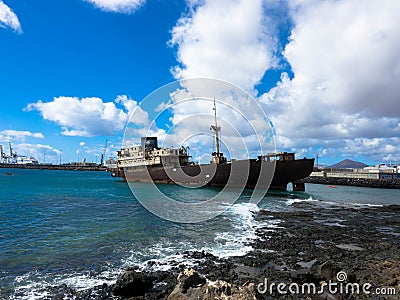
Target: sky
{"points": [[326, 73]]}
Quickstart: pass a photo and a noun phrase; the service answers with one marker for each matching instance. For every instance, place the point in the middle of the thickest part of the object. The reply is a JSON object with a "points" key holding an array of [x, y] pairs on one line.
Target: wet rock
{"points": [[164, 283], [198, 254], [188, 279], [327, 270], [132, 283], [223, 290], [303, 275]]}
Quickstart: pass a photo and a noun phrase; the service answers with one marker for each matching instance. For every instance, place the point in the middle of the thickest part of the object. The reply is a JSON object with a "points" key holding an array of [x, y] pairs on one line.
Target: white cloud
{"points": [[228, 40], [20, 135], [38, 151], [82, 144], [349, 50], [141, 117], [8, 18], [345, 56], [224, 39], [123, 6], [379, 149], [86, 116], [189, 113]]}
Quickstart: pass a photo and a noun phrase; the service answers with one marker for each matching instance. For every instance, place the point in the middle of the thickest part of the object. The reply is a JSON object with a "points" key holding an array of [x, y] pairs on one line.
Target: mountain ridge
{"points": [[348, 164]]}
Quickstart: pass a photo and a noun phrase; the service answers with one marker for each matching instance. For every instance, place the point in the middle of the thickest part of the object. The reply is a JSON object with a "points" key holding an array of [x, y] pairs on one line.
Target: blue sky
{"points": [[326, 72], [71, 48]]}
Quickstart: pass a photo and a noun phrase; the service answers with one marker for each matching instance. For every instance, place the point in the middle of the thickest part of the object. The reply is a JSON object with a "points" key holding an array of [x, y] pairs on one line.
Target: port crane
{"points": [[8, 159], [2, 157], [13, 155], [103, 155], [14, 158]]}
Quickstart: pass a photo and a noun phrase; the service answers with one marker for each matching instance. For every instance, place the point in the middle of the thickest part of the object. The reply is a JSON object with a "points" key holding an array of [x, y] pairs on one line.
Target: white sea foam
{"points": [[237, 242], [29, 287], [161, 256], [293, 201], [34, 285], [85, 281], [290, 202], [364, 205]]}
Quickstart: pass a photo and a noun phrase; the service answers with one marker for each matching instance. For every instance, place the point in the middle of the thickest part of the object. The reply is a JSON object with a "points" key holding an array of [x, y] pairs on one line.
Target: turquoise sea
{"points": [[81, 228]]}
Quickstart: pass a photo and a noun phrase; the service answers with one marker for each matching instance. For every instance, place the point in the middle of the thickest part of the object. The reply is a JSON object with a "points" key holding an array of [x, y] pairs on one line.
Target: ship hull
{"points": [[246, 173]]}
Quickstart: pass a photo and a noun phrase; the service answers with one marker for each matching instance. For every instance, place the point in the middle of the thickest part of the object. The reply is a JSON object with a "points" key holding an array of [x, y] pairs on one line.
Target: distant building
{"points": [[381, 171], [111, 163], [24, 160]]}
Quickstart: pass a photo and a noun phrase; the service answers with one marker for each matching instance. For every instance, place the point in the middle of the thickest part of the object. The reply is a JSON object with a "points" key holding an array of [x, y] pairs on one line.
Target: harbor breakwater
{"points": [[362, 182], [55, 167]]}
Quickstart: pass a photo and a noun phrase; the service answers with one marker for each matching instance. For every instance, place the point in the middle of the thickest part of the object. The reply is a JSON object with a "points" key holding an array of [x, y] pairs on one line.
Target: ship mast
{"points": [[216, 128], [217, 156]]}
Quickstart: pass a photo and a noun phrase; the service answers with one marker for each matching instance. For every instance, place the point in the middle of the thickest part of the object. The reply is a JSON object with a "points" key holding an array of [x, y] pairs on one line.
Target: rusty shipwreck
{"points": [[148, 162]]}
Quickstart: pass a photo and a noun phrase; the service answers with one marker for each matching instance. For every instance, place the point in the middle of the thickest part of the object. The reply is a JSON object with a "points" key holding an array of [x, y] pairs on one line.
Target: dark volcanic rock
{"points": [[328, 270], [101, 292], [132, 283], [190, 279], [191, 286], [363, 243]]}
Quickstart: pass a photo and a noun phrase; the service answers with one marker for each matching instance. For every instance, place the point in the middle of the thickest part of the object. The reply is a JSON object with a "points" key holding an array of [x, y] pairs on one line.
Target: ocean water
{"points": [[83, 228]]}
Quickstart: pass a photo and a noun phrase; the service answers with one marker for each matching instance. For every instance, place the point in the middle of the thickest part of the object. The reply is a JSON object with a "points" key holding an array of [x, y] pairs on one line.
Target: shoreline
{"points": [[311, 244]]}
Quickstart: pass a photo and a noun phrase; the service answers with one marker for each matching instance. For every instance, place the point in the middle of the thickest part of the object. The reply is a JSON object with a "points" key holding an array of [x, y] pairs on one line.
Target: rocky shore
{"points": [[333, 249], [363, 182]]}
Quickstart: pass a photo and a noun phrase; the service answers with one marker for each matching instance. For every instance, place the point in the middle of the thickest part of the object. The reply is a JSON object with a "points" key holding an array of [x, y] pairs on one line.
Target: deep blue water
{"points": [[82, 228]]}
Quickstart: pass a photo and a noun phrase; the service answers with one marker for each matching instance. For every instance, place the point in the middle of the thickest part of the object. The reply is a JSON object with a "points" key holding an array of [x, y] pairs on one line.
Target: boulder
{"points": [[190, 279], [328, 270], [191, 286], [132, 283]]}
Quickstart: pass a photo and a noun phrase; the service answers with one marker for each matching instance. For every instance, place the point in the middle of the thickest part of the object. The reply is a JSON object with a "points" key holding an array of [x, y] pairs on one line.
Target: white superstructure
{"points": [[148, 154]]}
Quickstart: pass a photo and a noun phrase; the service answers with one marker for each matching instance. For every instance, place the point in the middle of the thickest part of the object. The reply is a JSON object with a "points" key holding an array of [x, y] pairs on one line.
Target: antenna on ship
{"points": [[217, 157]]}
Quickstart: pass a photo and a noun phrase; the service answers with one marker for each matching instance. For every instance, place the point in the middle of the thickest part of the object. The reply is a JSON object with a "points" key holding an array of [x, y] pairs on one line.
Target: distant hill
{"points": [[348, 164]]}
